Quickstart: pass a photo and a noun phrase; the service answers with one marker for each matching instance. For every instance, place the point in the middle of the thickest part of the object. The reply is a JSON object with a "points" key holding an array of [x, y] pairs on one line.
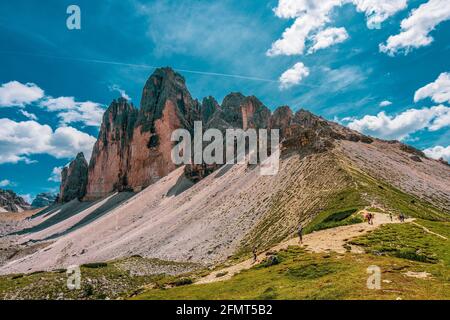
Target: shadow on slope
{"points": [[61, 213], [108, 206]]}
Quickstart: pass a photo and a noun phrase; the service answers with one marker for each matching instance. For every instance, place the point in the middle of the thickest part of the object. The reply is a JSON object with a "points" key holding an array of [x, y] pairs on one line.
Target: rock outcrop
{"points": [[74, 180], [44, 199], [134, 147], [11, 202], [108, 167]]}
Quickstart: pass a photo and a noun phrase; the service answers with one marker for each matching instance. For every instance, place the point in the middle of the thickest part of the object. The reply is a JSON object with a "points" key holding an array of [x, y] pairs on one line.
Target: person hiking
{"points": [[402, 217], [300, 233], [390, 215], [368, 216], [255, 254]]}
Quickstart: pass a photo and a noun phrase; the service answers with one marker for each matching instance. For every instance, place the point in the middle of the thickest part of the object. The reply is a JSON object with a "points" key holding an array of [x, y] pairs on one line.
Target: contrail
{"points": [[237, 76]]}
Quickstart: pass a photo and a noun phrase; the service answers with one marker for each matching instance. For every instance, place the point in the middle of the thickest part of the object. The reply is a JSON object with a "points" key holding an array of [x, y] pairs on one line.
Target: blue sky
{"points": [[340, 59]]}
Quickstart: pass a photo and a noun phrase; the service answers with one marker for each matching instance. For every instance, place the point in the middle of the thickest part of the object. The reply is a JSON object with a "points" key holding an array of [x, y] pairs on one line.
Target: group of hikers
{"points": [[369, 216]]}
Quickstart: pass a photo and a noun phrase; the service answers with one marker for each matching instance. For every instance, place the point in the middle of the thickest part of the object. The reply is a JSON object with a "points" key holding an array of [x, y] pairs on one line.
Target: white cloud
{"points": [[378, 11], [328, 37], [15, 93], [122, 92], [402, 125], [311, 16], [293, 76], [5, 183], [55, 176], [438, 152], [438, 91], [69, 111], [415, 30], [385, 103], [28, 115], [19, 140]]}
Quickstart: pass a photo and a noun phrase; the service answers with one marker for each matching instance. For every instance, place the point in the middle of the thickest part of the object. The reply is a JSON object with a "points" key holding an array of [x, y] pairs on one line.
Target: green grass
{"points": [[341, 218], [302, 275], [98, 281]]}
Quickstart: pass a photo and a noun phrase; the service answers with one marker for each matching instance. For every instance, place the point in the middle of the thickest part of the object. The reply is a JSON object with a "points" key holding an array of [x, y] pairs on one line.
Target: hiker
{"points": [[368, 217], [255, 254], [401, 217], [300, 233], [390, 215]]}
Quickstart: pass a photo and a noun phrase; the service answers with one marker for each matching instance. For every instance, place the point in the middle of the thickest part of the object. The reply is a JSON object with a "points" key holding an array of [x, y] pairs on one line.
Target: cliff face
{"points": [[166, 105], [133, 149], [11, 202], [74, 179], [109, 163]]}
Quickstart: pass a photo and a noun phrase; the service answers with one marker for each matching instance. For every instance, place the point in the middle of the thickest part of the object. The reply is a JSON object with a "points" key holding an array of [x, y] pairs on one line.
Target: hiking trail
{"points": [[332, 239]]}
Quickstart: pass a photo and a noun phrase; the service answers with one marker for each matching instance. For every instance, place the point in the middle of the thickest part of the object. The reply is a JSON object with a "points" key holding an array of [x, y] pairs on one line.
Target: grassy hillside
{"points": [[302, 275]]}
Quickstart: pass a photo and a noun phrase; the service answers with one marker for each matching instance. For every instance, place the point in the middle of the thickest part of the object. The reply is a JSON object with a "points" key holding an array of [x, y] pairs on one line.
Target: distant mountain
{"points": [[11, 202], [44, 199]]}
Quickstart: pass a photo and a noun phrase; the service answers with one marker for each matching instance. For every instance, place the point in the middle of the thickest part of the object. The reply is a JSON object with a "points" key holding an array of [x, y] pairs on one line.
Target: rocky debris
{"points": [[442, 160], [109, 163], [11, 202], [74, 179], [44, 199]]}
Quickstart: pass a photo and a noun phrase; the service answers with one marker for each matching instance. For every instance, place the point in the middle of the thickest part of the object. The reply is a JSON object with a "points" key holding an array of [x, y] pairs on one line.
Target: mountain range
{"points": [[130, 199]]}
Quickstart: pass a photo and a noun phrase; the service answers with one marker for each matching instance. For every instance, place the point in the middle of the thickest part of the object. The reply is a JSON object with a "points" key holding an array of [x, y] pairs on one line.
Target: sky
{"points": [[378, 66]]}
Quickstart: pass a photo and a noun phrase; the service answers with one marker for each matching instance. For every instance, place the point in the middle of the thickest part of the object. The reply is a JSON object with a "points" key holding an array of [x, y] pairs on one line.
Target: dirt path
{"points": [[429, 231], [332, 239]]}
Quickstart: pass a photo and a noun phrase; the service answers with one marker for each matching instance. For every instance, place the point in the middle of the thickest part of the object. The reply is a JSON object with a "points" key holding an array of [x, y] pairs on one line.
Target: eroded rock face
{"points": [[134, 146], [11, 202], [74, 179], [109, 163], [166, 105], [209, 107]]}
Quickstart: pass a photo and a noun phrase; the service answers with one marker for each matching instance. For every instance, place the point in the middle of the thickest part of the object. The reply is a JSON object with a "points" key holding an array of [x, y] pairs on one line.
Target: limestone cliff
{"points": [[74, 179]]}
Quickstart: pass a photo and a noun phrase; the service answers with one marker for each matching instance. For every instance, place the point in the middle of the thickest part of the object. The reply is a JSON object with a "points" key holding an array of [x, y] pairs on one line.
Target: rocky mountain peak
{"points": [[11, 202], [74, 179], [44, 199], [209, 106], [165, 85], [109, 162]]}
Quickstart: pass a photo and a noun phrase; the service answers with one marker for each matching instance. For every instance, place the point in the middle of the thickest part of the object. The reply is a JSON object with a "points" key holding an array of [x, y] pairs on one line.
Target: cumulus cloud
{"points": [[438, 91], [122, 92], [18, 94], [311, 16], [402, 125], [55, 175], [385, 103], [438, 152], [5, 183], [294, 75], [415, 30], [377, 11], [328, 37], [19, 140], [70, 111]]}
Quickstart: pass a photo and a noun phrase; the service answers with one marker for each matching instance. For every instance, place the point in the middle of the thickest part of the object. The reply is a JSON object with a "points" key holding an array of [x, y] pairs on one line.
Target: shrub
{"points": [[95, 265], [182, 282]]}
